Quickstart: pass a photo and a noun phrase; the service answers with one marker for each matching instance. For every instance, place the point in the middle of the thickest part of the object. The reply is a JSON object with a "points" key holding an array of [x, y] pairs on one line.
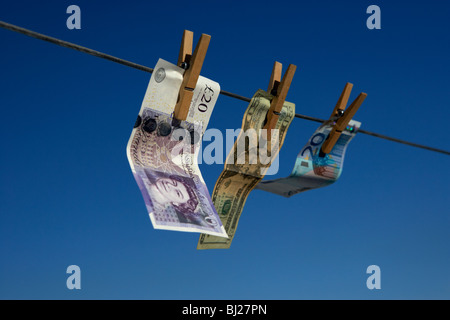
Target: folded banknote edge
{"points": [[186, 229]]}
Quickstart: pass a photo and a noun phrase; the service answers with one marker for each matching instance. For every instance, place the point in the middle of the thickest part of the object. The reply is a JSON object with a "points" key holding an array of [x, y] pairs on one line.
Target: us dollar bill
{"points": [[313, 169], [242, 171], [163, 155]]}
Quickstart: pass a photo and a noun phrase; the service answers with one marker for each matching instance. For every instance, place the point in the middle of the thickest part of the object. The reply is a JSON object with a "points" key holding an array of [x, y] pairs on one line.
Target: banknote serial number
{"points": [[232, 310]]}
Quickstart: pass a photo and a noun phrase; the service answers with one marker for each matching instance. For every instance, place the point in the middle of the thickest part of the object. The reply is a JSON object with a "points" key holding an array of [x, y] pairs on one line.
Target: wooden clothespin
{"points": [[193, 65], [343, 117], [278, 88]]}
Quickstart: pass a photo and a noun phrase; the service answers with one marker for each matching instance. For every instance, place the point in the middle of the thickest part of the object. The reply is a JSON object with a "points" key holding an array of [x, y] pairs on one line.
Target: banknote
{"points": [[313, 169], [163, 155], [163, 88], [239, 178]]}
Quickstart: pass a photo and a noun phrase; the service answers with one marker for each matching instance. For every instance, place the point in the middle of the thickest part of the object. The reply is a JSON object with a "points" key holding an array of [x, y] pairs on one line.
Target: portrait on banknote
{"points": [[175, 195]]}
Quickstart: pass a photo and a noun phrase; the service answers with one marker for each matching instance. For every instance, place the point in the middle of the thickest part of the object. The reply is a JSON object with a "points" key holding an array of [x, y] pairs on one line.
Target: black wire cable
{"points": [[127, 63], [70, 45]]}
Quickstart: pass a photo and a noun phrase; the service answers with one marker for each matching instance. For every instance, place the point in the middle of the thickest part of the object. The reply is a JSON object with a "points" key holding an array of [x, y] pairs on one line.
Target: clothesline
{"points": [[223, 92]]}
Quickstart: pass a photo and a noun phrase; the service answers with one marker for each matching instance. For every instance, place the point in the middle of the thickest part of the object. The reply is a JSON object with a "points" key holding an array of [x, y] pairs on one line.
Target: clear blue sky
{"points": [[67, 194]]}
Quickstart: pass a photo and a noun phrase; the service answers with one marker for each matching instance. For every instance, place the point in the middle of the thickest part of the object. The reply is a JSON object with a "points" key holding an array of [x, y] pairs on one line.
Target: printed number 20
{"points": [[202, 107], [313, 142]]}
